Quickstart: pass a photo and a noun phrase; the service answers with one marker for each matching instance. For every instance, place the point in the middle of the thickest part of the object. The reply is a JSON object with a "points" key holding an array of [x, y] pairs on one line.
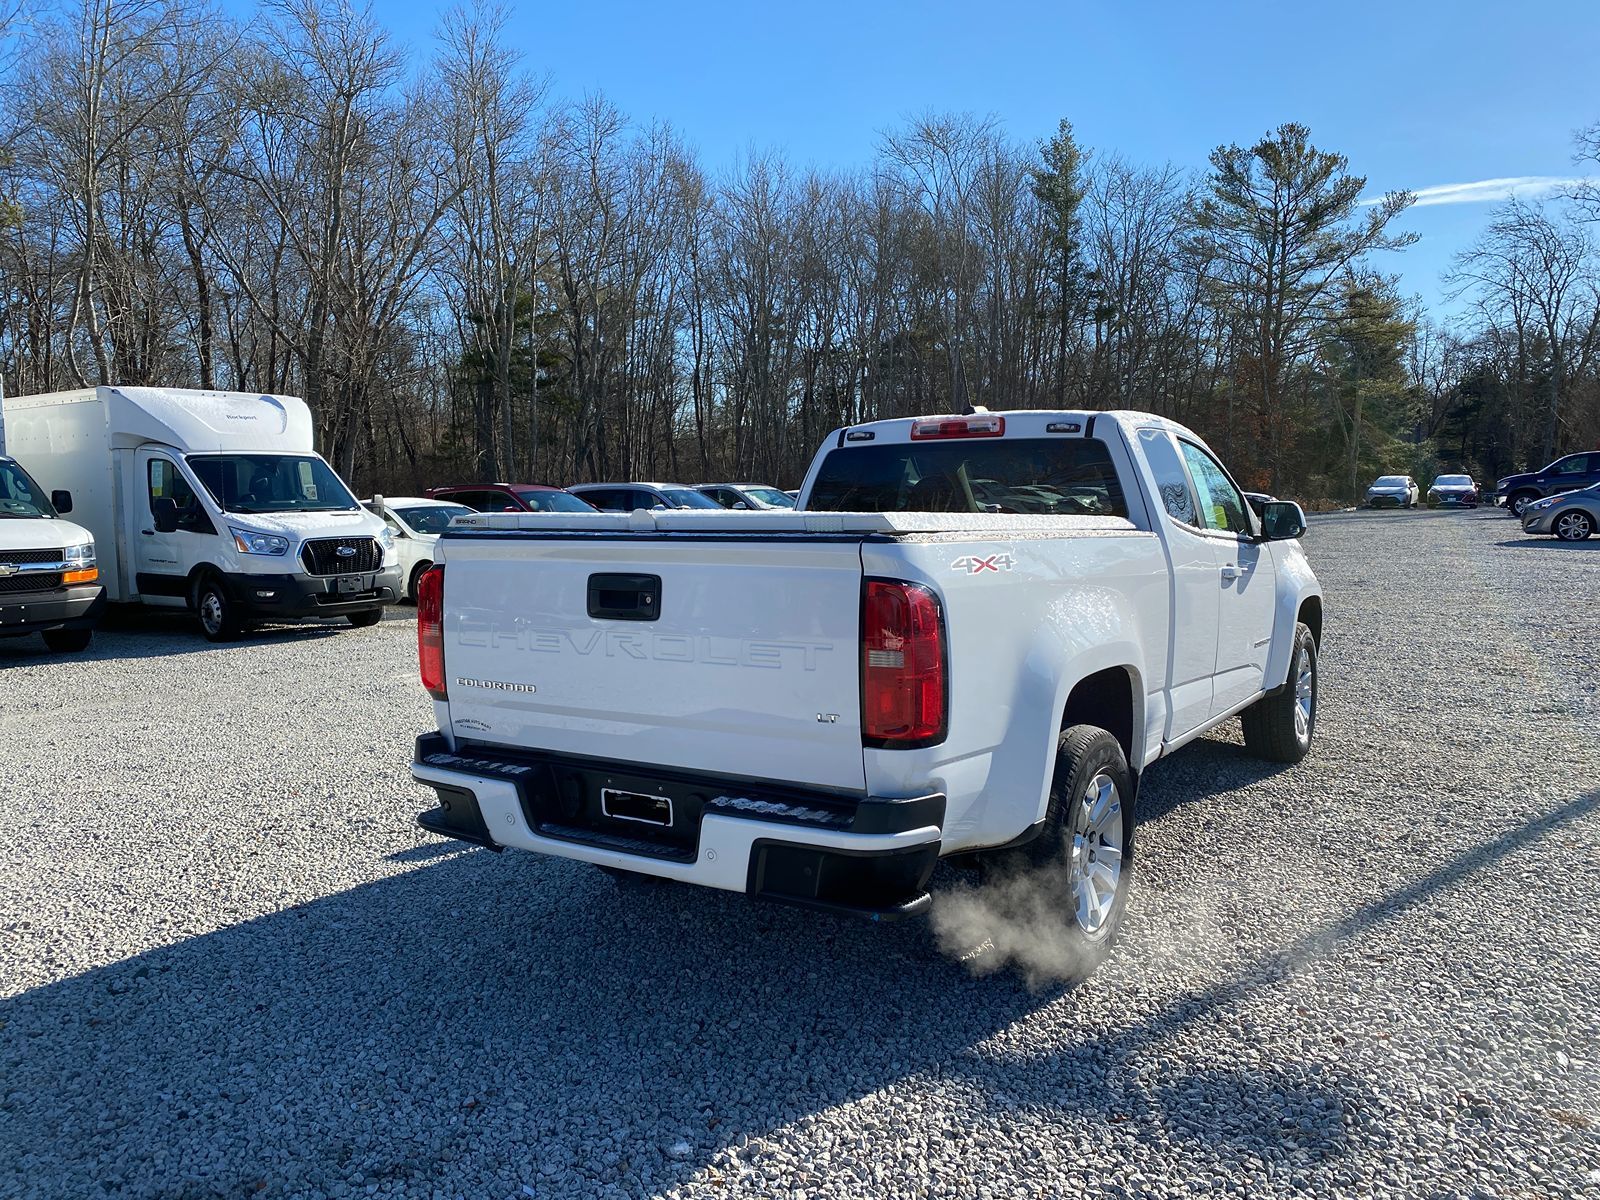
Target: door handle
{"points": [[148, 532], [1236, 572]]}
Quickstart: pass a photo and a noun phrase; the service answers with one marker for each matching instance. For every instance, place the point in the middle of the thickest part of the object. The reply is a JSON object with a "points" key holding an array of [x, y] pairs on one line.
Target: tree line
{"points": [[468, 278]]}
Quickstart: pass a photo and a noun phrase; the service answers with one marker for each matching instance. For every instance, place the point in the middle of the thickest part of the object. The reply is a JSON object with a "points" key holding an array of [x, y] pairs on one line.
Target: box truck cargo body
{"points": [[211, 501]]}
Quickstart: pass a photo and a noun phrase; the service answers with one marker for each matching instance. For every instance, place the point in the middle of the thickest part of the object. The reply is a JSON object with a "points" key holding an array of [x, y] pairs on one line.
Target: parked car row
{"points": [[1562, 500]]}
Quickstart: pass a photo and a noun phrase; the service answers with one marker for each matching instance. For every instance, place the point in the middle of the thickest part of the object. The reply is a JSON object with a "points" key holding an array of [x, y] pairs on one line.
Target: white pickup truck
{"points": [[970, 641]]}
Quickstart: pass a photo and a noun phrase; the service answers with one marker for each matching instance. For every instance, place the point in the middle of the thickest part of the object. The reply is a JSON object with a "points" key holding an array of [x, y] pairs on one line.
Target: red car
{"points": [[512, 497]]}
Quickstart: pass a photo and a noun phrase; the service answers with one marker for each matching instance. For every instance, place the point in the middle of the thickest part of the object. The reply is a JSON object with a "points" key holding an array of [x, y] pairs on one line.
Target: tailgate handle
{"points": [[625, 597]]}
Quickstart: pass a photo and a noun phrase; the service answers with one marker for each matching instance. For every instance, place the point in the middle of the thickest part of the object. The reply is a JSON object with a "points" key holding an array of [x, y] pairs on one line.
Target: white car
{"points": [[1393, 491], [817, 706], [415, 523], [741, 496]]}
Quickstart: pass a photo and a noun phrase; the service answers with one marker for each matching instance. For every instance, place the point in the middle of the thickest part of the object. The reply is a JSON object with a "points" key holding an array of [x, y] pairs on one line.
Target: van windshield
{"points": [[271, 483], [20, 496]]}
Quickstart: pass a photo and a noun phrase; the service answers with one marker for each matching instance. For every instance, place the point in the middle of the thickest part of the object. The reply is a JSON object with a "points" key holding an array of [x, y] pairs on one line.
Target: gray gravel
{"points": [[230, 966]]}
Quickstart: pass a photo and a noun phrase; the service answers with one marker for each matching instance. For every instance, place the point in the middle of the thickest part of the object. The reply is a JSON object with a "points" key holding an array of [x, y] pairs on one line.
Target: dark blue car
{"points": [[1567, 474]]}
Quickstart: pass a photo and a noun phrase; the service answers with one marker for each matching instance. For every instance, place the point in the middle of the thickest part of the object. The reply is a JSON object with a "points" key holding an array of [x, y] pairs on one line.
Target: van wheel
{"points": [[1279, 727], [68, 641], [366, 620], [219, 619]]}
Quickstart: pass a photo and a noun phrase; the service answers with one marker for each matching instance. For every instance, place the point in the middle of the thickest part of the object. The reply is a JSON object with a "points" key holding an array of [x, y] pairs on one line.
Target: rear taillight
{"points": [[430, 631], [980, 425], [903, 701]]}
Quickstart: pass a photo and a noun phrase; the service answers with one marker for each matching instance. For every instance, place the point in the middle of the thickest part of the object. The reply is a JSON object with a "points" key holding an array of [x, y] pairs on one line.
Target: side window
{"points": [[1171, 481], [639, 498], [167, 483], [1570, 466], [1221, 505], [606, 500]]}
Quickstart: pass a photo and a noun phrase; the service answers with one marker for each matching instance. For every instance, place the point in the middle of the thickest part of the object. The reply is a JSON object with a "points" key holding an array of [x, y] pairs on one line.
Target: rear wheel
{"points": [[1574, 526], [68, 641], [219, 619], [1078, 870], [1279, 727]]}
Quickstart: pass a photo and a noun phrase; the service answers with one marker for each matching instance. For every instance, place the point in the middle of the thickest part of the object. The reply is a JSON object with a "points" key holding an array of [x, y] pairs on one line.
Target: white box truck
{"points": [[210, 501]]}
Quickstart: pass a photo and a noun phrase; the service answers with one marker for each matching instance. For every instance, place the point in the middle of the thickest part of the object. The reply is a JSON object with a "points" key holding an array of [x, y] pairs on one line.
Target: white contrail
{"points": [[1526, 187]]}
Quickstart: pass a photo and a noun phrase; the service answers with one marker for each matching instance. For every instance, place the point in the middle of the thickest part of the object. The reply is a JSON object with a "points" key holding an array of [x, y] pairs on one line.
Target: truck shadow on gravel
{"points": [[485, 1022]]}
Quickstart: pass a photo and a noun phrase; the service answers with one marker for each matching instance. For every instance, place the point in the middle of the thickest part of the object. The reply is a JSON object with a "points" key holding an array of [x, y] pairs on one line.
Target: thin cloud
{"points": [[1487, 191]]}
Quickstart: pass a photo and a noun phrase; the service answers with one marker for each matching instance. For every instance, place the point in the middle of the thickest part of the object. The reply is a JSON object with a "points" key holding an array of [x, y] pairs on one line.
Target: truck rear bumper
{"points": [[866, 855]]}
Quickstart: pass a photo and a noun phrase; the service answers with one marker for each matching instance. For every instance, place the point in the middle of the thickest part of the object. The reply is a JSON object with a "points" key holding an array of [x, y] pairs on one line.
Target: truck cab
{"points": [[49, 578], [214, 502]]}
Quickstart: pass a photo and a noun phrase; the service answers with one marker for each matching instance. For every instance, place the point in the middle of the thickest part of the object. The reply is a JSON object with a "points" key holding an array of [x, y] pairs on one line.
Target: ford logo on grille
{"points": [[7, 570], [346, 551]]}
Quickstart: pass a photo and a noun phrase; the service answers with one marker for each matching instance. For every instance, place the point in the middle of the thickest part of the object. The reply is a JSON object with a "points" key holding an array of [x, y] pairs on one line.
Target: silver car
{"points": [[1571, 516], [1393, 491]]}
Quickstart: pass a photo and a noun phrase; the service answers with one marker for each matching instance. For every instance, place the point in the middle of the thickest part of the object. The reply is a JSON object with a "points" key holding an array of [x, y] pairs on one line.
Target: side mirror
{"points": [[164, 510], [62, 501], [740, 504], [1282, 520]]}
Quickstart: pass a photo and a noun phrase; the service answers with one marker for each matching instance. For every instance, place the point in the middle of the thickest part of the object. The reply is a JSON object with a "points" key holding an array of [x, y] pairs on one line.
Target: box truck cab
{"points": [[210, 501], [49, 580]]}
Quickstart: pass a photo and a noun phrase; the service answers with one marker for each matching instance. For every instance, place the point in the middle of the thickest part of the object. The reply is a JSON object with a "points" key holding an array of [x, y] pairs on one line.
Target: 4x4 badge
{"points": [[972, 564]]}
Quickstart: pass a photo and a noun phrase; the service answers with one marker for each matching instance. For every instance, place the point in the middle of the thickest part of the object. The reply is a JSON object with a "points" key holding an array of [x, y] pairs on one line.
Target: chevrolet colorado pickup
{"points": [[970, 641]]}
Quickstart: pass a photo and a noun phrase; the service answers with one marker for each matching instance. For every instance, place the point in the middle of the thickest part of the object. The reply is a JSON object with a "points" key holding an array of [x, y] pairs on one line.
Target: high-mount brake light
{"points": [[903, 686], [978, 425], [430, 631]]}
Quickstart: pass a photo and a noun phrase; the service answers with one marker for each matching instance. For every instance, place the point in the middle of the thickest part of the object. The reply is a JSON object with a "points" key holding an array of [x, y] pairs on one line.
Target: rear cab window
{"points": [[1040, 476]]}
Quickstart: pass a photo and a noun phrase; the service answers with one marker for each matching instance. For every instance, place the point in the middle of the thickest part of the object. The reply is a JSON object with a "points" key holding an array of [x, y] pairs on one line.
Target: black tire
{"points": [[68, 641], [1272, 729], [1518, 501], [219, 616], [416, 578], [365, 620], [1072, 859], [1574, 526]]}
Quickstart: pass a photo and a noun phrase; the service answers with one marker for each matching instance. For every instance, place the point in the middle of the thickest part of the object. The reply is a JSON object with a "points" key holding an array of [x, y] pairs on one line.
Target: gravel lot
{"points": [[231, 965]]}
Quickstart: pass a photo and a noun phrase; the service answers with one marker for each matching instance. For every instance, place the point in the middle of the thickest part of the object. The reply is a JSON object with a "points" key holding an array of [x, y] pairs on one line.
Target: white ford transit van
{"points": [[211, 501]]}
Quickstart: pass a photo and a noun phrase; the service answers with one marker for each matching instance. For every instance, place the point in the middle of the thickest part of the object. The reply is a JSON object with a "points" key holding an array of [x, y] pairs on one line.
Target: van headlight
{"points": [[80, 563], [248, 541]]}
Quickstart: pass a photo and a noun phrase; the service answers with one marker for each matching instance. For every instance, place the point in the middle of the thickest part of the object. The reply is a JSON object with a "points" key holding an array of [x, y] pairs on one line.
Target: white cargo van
{"points": [[210, 501], [49, 581]]}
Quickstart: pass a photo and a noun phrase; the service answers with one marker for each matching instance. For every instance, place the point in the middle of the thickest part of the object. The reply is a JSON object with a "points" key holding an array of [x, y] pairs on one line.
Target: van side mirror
{"points": [[1282, 520], [61, 501], [164, 510]]}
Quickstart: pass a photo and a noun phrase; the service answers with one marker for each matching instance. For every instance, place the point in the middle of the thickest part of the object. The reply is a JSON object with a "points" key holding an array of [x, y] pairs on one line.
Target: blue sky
{"points": [[1417, 95]]}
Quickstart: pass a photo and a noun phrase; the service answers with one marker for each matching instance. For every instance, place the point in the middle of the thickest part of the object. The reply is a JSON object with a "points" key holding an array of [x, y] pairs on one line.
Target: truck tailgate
{"points": [[746, 665]]}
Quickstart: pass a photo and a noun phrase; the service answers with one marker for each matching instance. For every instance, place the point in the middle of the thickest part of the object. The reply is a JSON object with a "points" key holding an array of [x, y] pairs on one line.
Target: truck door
{"points": [[1196, 600], [1244, 578], [163, 558]]}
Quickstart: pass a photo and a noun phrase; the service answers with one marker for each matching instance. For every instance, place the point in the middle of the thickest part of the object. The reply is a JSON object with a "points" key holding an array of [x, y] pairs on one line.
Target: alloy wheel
{"points": [[1095, 863], [1573, 526], [1305, 696]]}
